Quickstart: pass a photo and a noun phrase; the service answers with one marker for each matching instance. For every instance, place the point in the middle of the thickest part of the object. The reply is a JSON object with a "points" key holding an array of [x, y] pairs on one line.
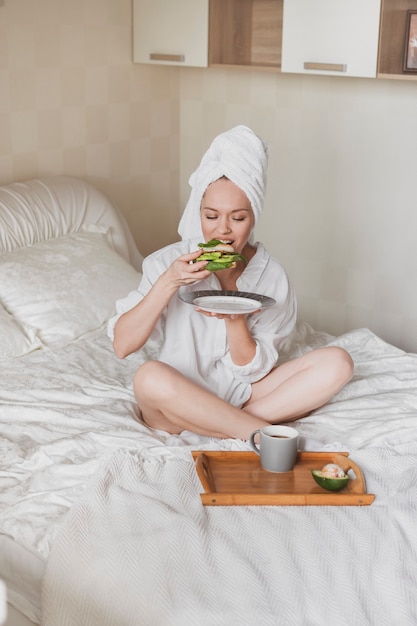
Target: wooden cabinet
{"points": [[392, 38], [331, 37], [337, 37], [170, 32], [245, 33]]}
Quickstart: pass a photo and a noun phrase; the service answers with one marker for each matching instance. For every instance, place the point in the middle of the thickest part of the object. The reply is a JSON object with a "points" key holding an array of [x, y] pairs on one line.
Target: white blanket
{"points": [[139, 549]]}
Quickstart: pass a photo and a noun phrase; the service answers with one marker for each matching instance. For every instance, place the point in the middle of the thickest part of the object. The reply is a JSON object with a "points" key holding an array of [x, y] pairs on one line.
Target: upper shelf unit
{"points": [[355, 38]]}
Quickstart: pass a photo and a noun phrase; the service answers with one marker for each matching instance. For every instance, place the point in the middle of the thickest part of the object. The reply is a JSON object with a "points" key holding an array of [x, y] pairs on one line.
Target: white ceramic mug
{"points": [[278, 446]]}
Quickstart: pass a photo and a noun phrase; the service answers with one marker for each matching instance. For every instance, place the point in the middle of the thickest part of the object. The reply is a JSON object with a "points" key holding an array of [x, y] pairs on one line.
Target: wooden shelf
{"points": [[392, 38], [245, 33]]}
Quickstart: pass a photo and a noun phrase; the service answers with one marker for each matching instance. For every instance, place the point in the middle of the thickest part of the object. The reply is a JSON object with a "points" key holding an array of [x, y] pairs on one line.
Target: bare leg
{"points": [[296, 387], [169, 401]]}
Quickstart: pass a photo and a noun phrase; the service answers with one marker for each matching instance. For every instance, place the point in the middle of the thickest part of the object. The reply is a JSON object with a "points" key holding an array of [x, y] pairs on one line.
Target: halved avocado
{"points": [[330, 484]]}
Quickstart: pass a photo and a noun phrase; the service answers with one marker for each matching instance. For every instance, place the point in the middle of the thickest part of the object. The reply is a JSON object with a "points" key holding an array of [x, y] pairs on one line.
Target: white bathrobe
{"points": [[196, 345]]}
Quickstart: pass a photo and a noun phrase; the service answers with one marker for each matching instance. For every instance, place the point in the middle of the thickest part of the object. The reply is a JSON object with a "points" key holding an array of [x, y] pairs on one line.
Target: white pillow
{"points": [[15, 340], [65, 287]]}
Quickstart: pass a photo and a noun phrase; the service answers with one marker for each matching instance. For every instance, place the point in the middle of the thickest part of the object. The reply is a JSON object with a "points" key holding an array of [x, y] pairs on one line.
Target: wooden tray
{"points": [[237, 478]]}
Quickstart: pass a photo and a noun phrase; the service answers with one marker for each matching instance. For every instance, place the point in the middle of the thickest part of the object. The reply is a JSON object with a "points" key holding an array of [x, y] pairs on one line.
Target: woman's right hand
{"points": [[134, 327], [184, 272]]}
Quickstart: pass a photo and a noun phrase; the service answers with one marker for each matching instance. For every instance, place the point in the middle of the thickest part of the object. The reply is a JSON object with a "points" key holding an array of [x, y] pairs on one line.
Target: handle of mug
{"points": [[252, 442]]}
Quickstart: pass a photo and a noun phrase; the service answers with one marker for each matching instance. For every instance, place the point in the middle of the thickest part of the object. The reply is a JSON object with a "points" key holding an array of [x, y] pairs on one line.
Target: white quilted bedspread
{"points": [[137, 548], [140, 549]]}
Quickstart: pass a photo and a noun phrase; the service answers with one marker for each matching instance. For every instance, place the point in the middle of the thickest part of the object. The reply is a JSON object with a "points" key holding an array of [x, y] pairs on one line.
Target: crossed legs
{"points": [[169, 401]]}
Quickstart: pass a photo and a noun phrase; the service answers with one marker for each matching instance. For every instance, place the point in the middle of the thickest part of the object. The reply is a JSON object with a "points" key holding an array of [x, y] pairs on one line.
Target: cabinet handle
{"points": [[327, 67], [156, 56]]}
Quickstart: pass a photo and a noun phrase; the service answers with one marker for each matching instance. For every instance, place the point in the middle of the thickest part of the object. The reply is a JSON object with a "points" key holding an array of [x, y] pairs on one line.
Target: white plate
{"points": [[226, 302]]}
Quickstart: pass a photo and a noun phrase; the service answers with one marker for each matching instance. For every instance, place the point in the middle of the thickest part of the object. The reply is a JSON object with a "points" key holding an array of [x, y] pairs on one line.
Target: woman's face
{"points": [[226, 214]]}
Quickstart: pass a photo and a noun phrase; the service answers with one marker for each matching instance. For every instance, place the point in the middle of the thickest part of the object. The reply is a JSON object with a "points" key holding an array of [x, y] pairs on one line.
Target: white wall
{"points": [[341, 203]]}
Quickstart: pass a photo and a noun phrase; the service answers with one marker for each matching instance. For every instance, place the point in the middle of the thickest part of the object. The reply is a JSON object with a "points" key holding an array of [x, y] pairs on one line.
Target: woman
{"points": [[216, 374]]}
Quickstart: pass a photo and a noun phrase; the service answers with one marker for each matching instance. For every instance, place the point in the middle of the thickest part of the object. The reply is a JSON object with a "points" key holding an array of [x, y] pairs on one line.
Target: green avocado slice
{"points": [[213, 266], [331, 484], [209, 256]]}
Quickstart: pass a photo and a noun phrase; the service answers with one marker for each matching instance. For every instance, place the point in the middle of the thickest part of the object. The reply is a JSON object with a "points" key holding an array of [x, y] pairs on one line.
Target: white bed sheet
{"points": [[15, 618], [59, 413], [68, 418]]}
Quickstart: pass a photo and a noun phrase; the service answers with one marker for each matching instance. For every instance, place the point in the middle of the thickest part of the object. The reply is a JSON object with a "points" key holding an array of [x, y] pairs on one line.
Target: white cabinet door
{"points": [[338, 37], [170, 32]]}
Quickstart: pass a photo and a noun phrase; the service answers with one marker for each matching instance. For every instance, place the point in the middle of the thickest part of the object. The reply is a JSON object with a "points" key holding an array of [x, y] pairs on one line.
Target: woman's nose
{"points": [[225, 227]]}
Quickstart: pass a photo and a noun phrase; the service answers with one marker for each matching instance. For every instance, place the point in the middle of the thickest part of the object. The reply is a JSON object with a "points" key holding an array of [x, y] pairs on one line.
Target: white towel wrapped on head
{"points": [[242, 157]]}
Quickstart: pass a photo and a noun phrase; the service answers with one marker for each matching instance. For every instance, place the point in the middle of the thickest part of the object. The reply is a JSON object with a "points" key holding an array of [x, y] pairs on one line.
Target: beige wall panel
{"points": [[73, 102]]}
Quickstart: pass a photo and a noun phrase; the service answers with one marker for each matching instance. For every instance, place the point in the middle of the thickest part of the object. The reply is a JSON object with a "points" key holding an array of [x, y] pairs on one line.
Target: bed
{"points": [[101, 520]]}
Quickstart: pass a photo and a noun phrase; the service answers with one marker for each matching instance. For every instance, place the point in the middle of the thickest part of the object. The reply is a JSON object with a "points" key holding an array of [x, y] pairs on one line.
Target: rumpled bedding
{"points": [[112, 509]]}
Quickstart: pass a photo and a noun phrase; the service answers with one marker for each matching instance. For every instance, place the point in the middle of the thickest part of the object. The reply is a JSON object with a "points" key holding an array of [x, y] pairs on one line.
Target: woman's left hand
{"points": [[242, 345]]}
